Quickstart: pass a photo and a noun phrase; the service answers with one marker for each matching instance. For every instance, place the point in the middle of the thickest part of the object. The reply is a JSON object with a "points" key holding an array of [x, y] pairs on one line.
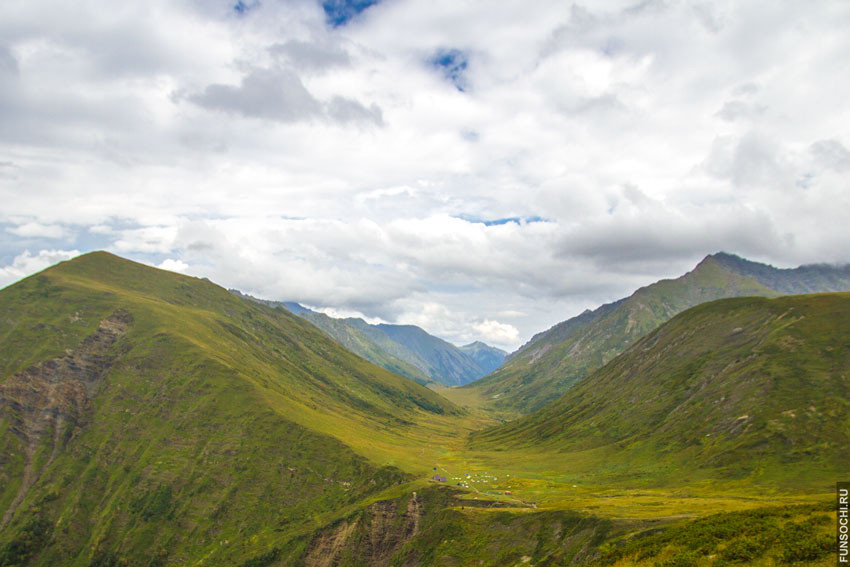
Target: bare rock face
{"points": [[373, 536], [48, 401]]}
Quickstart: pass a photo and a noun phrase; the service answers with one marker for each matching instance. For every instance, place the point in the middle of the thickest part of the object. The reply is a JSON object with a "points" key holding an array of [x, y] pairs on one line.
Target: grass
{"points": [[783, 535], [230, 433], [733, 390], [219, 418], [556, 360]]}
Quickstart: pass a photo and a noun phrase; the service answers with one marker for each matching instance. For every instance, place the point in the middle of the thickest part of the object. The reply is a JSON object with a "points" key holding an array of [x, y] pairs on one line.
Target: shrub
{"points": [[743, 550], [800, 542], [683, 559]]}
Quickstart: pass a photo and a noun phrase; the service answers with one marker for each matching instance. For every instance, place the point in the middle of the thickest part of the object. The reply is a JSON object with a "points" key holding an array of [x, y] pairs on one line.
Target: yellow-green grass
{"points": [[209, 385], [384, 441], [557, 359]]}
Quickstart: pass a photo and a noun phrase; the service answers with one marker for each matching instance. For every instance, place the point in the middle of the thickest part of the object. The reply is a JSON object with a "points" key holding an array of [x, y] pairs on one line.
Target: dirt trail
{"points": [[47, 401]]}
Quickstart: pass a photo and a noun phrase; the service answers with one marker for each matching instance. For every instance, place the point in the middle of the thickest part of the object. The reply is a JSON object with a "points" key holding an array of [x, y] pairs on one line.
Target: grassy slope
{"points": [[406, 349], [552, 362], [765, 537], [219, 444], [738, 389], [220, 420], [376, 349]]}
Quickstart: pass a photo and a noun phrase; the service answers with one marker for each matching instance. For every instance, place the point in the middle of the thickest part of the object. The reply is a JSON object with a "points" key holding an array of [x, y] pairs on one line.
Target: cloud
{"points": [[8, 64], [736, 110], [279, 95], [173, 265], [324, 152], [831, 154], [311, 55], [751, 160], [623, 239], [345, 110], [263, 93], [27, 263], [35, 229], [495, 332]]}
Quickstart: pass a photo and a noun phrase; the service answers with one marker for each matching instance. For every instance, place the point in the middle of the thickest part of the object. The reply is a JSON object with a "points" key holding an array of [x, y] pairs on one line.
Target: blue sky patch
{"points": [[501, 221], [453, 64], [340, 12], [242, 7]]}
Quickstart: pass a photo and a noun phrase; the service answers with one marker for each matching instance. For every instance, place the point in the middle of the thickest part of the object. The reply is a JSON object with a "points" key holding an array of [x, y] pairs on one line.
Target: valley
{"points": [[194, 426]]}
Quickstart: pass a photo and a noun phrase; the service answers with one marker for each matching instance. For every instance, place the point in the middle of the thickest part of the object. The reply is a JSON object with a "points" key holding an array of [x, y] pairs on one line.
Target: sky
{"points": [[481, 169]]}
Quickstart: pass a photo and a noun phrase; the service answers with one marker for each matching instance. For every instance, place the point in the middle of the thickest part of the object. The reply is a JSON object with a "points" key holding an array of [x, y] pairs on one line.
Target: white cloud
{"points": [[35, 229], [343, 168], [173, 265], [494, 332], [27, 263]]}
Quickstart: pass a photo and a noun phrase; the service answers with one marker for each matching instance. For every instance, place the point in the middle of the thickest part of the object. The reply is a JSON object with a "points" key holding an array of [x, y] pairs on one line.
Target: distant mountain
{"points": [[148, 417], [439, 359], [813, 278], [488, 358], [364, 340], [152, 419], [553, 361], [745, 386], [406, 349]]}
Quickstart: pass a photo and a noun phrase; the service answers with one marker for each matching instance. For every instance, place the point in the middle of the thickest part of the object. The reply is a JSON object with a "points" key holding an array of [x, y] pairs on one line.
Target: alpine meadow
{"points": [[396, 283]]}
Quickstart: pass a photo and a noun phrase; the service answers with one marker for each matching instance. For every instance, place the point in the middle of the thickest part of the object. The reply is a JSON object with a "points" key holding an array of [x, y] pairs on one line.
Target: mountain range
{"points": [[553, 361], [149, 418], [407, 350], [741, 385]]}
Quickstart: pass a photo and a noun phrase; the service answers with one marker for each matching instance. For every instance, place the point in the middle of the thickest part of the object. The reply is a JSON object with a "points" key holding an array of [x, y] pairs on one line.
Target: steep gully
{"points": [[46, 402]]}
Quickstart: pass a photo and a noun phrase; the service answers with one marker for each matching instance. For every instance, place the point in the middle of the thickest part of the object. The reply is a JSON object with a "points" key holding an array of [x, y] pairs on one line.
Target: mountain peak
{"points": [[734, 260], [555, 360], [725, 255], [89, 258], [722, 258]]}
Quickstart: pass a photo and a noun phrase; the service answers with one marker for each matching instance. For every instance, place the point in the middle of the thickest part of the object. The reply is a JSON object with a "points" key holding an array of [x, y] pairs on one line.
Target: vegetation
{"points": [[221, 427], [213, 430], [406, 349], [360, 338], [554, 361], [740, 386], [784, 535]]}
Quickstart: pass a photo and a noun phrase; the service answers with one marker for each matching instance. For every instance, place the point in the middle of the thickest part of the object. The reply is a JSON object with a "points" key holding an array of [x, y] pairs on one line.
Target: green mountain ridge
{"points": [[555, 360], [153, 419], [437, 358], [153, 416], [742, 387], [365, 340], [404, 349]]}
